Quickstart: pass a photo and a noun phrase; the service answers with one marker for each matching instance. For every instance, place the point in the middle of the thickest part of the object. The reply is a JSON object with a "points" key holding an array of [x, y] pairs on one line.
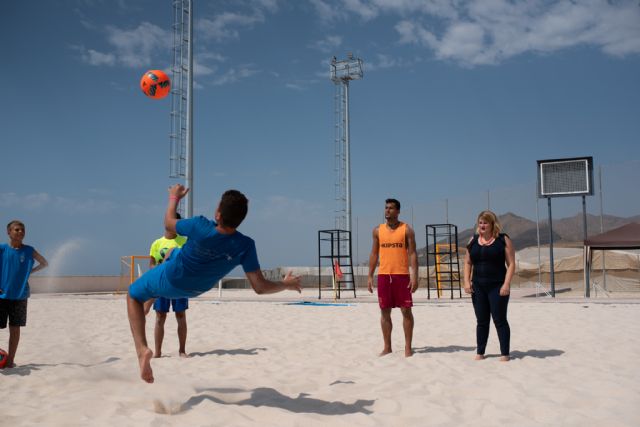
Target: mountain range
{"points": [[567, 232]]}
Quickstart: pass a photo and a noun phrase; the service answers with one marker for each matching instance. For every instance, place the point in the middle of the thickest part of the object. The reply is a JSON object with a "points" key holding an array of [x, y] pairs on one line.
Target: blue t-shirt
{"points": [[208, 255], [15, 267]]}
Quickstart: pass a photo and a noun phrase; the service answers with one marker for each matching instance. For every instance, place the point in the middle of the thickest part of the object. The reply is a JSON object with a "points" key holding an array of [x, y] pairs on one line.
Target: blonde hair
{"points": [[492, 219]]}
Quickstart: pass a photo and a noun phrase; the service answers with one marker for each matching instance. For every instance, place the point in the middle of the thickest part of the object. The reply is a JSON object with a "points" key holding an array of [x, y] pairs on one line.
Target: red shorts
{"points": [[394, 291]]}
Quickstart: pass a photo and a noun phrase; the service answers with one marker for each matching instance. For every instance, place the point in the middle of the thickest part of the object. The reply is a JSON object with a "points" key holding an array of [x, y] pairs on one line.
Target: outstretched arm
{"points": [[42, 262], [176, 192], [263, 286]]}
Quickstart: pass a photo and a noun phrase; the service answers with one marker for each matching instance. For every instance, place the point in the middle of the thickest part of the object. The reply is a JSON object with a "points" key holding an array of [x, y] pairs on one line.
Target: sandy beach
{"points": [[271, 363]]}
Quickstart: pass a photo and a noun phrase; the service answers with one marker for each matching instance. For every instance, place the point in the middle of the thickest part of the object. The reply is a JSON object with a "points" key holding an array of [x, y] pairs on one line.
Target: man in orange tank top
{"points": [[394, 243]]}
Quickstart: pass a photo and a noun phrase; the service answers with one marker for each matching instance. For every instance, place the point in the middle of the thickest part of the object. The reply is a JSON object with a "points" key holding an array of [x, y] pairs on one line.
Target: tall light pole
{"points": [[181, 136], [342, 72]]}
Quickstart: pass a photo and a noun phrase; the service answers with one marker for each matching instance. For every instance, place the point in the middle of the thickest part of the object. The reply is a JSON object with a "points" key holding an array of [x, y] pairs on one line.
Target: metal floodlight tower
{"points": [[342, 72], [181, 136]]}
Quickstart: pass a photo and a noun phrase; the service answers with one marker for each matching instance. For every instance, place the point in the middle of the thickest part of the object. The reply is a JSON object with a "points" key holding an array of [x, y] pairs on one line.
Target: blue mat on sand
{"points": [[314, 303]]}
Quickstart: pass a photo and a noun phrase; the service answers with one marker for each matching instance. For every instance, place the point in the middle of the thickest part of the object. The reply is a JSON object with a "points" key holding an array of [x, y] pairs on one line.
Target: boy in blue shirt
{"points": [[16, 264], [213, 249]]}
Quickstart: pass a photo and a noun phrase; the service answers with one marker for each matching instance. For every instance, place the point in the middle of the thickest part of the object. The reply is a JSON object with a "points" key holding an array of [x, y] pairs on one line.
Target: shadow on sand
{"points": [[447, 349], [264, 396], [538, 354], [24, 370], [234, 352]]}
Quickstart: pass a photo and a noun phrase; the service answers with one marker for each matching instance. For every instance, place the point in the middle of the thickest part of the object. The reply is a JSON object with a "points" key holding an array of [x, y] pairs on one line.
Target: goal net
{"points": [[132, 267]]}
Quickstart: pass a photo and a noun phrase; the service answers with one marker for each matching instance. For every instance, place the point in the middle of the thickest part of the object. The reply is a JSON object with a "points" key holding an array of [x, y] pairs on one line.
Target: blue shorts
{"points": [[154, 284], [163, 304]]}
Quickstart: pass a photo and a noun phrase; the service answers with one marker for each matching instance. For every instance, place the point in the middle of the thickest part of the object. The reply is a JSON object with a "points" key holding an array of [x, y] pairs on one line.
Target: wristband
{"points": [[174, 198]]}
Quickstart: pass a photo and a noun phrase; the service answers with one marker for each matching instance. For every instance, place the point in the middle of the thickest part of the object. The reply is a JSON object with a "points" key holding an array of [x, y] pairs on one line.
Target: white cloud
{"points": [[200, 69], [233, 75], [382, 61], [301, 85], [40, 201], [136, 47], [326, 12], [475, 32], [228, 24], [363, 9], [224, 26], [463, 40], [294, 86], [270, 5], [368, 10], [93, 57], [133, 48], [203, 63], [29, 201], [439, 8], [212, 56], [490, 31], [84, 20], [328, 44]]}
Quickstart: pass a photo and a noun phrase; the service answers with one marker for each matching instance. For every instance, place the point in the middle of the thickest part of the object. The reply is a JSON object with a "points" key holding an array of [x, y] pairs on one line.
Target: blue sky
{"points": [[458, 98]]}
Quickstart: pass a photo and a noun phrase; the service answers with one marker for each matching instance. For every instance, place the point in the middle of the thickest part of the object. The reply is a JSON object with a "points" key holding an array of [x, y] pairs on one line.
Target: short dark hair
{"points": [[394, 201], [233, 208], [14, 222]]}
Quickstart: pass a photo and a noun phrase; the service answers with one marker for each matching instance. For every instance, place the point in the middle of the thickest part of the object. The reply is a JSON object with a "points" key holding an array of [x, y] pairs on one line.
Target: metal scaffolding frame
{"points": [[442, 248], [331, 245]]}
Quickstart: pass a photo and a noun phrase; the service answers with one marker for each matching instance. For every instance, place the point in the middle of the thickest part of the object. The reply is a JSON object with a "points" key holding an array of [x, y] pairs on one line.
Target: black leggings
{"points": [[487, 303]]}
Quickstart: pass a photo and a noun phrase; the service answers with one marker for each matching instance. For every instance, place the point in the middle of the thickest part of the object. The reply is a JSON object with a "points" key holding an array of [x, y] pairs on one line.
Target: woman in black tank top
{"points": [[489, 267]]}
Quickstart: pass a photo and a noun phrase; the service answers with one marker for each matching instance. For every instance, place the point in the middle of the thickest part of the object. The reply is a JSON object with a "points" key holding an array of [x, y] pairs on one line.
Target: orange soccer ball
{"points": [[155, 84]]}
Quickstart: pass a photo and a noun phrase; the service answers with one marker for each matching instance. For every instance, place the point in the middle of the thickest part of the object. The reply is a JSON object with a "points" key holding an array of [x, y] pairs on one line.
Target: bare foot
{"points": [[9, 365], [504, 358], [479, 357], [157, 355], [184, 355], [146, 373], [408, 352], [384, 352]]}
